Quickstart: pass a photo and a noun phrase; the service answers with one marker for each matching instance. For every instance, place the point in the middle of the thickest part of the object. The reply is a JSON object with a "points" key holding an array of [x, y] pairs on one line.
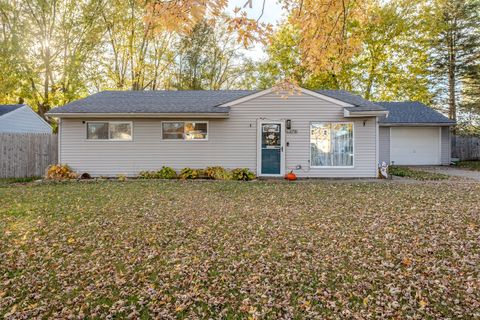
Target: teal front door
{"points": [[271, 148]]}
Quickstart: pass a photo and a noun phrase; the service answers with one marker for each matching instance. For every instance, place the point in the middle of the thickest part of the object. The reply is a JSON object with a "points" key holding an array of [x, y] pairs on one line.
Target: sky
{"points": [[272, 14]]}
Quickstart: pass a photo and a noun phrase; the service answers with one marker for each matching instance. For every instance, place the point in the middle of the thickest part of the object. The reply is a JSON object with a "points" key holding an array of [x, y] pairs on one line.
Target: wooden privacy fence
{"points": [[25, 155], [466, 148]]}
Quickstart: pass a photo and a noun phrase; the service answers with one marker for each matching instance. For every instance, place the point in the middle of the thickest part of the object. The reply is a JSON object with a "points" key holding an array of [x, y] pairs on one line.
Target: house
{"points": [[325, 133], [20, 118], [414, 134]]}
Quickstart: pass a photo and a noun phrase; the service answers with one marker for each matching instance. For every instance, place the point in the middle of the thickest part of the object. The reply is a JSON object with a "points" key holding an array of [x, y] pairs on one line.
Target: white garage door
{"points": [[415, 146]]}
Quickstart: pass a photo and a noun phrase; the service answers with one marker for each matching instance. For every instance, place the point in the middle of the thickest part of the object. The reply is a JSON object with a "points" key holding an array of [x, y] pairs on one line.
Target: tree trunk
{"points": [[452, 103], [44, 105], [452, 106]]}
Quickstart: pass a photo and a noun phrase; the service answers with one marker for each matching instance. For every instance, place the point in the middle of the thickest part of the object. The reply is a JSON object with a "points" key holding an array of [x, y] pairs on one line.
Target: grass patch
{"points": [[415, 173], [6, 181], [470, 165], [224, 249]]}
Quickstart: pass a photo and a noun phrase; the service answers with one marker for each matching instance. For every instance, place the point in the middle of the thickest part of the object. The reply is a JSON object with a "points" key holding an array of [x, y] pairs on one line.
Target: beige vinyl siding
{"points": [[446, 152], [384, 144], [232, 142]]}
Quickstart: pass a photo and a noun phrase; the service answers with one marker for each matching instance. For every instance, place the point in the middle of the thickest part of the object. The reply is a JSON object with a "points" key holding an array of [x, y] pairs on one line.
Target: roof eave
{"points": [[416, 124], [202, 115]]}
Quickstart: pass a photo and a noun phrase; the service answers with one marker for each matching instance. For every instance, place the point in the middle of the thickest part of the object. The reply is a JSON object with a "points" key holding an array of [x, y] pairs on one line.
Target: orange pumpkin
{"points": [[291, 176]]}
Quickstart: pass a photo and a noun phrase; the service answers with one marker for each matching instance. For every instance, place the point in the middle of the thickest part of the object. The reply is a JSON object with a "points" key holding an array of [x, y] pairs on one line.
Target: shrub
{"points": [[201, 174], [189, 173], [167, 173], [217, 173], [147, 175], [242, 174], [121, 178], [164, 173], [60, 172]]}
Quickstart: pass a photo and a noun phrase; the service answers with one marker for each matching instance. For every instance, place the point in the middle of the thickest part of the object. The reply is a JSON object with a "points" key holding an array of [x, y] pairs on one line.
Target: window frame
{"points": [[184, 127], [109, 139], [310, 144]]}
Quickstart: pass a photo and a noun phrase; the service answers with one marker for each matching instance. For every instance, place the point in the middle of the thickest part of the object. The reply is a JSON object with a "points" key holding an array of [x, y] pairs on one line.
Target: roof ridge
{"points": [[404, 101]]}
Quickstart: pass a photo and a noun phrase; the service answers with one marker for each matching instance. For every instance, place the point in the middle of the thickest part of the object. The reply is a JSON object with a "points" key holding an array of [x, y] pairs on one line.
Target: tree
{"points": [[209, 58], [51, 42], [329, 31], [136, 47], [390, 64], [284, 58], [393, 62], [285, 62], [11, 52], [471, 90], [456, 48]]}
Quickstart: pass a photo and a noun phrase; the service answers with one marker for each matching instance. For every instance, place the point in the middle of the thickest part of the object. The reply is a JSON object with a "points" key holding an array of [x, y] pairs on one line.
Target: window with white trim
{"points": [[109, 130], [331, 144], [185, 130]]}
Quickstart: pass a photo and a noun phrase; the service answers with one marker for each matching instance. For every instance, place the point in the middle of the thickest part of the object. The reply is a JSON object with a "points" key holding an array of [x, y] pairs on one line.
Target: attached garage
{"points": [[414, 134]]}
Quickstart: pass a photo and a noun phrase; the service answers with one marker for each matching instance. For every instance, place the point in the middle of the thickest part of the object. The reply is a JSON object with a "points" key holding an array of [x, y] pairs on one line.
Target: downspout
{"points": [[377, 149], [59, 139]]}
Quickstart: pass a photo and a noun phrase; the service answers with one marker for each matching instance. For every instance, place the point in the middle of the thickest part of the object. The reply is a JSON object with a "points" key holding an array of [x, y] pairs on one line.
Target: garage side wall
{"points": [[446, 151], [384, 144]]}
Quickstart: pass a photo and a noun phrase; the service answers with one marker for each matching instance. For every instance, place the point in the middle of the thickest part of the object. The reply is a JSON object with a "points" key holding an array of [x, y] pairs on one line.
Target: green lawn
{"points": [[416, 174], [193, 249], [471, 165]]}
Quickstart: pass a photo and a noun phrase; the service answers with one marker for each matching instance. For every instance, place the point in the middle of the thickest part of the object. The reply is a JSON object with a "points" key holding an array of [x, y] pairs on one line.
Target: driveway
{"points": [[455, 172]]}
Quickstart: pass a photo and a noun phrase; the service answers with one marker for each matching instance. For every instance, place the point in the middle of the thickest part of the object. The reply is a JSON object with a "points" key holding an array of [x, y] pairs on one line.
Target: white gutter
{"points": [[139, 115], [361, 114]]}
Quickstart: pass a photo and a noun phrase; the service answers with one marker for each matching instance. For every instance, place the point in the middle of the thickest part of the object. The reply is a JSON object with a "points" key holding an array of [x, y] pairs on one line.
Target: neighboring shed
{"points": [[21, 118], [414, 134]]}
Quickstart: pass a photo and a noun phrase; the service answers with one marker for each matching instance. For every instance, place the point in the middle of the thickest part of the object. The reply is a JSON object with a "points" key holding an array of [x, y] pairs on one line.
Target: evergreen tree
{"points": [[456, 49]]}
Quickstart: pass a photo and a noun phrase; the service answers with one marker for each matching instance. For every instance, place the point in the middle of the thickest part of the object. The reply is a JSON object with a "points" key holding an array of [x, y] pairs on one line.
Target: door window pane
{"points": [[196, 130], [120, 131], [270, 135], [331, 144], [97, 130], [172, 130]]}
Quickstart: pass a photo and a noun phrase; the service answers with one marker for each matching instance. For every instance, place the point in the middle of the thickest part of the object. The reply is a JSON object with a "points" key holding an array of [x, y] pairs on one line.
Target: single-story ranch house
{"points": [[325, 133]]}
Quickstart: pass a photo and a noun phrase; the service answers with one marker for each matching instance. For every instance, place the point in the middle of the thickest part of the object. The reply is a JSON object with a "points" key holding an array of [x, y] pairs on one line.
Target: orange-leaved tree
{"points": [[328, 30]]}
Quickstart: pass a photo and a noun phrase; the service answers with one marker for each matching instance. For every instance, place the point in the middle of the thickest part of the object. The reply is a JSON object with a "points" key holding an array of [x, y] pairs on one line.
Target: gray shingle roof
{"points": [[187, 101], [360, 103], [7, 108], [412, 112]]}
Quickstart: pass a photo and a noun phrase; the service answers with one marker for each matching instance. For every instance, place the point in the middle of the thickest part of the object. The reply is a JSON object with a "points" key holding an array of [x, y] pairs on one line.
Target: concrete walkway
{"points": [[455, 172]]}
